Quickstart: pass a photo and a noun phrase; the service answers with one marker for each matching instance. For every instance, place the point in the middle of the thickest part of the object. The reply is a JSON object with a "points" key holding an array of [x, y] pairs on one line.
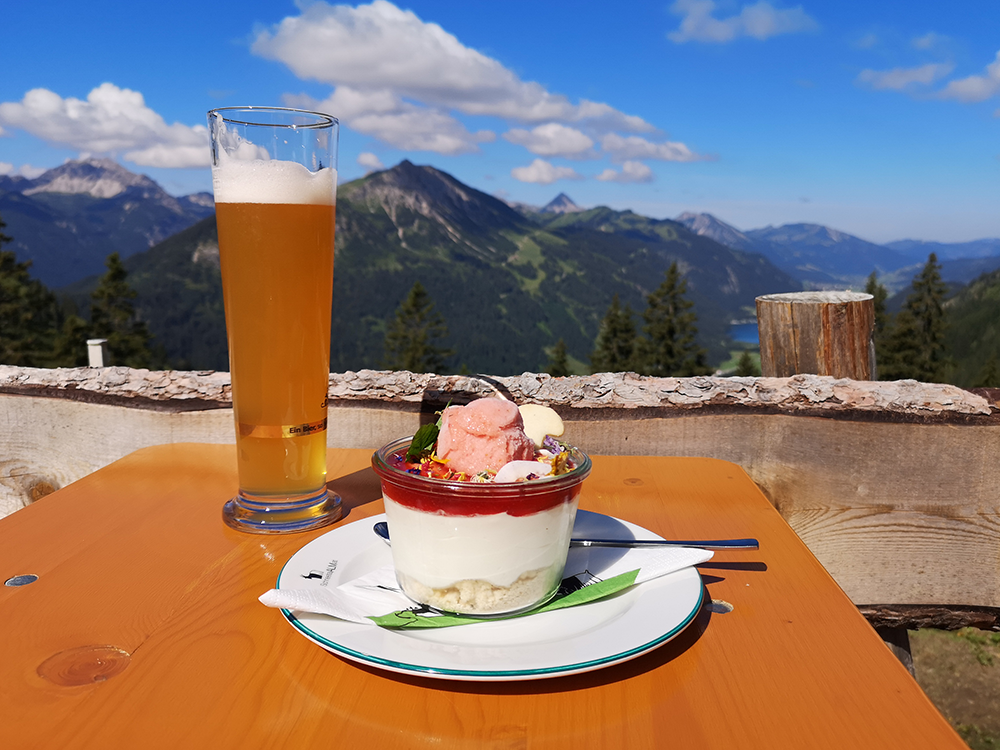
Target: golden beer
{"points": [[275, 180], [277, 281]]}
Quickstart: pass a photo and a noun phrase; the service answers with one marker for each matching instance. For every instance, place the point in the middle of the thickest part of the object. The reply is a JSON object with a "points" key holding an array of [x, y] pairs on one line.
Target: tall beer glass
{"points": [[274, 172]]}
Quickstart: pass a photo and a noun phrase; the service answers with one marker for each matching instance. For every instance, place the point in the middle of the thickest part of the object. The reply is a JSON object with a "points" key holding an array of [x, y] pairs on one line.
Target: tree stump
{"points": [[817, 333]]}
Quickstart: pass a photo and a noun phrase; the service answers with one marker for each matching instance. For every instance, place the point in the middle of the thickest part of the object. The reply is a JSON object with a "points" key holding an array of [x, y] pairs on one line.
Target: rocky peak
{"points": [[561, 204], [100, 178], [205, 200], [707, 225], [433, 194]]}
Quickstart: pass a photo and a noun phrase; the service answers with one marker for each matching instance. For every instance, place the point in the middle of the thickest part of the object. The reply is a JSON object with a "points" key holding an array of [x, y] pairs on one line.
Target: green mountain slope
{"points": [[509, 286], [973, 333], [179, 296]]}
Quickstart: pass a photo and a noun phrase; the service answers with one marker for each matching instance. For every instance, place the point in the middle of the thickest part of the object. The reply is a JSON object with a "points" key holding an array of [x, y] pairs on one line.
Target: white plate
{"points": [[550, 644]]}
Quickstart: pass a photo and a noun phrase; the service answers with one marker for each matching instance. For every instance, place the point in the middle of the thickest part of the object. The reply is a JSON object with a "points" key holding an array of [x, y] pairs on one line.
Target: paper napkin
{"points": [[375, 598]]}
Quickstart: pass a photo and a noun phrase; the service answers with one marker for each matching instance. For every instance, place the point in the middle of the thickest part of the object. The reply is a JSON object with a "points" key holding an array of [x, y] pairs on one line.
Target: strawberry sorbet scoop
{"points": [[483, 436]]}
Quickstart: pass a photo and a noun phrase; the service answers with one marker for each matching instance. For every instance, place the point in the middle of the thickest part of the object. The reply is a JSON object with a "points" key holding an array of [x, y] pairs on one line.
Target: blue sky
{"points": [[881, 119]]}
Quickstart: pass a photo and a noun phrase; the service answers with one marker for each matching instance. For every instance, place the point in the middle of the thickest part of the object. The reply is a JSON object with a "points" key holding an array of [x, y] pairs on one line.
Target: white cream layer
{"points": [[440, 550]]}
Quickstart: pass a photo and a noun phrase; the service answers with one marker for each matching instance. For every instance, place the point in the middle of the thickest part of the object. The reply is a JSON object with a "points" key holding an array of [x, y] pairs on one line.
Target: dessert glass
{"points": [[478, 548]]}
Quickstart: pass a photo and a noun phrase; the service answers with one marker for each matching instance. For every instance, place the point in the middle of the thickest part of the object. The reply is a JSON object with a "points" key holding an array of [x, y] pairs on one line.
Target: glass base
{"points": [[262, 514]]}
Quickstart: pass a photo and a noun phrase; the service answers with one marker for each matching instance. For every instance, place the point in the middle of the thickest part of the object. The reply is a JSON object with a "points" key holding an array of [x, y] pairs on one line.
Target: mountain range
{"points": [[69, 219], [508, 284], [511, 279], [824, 258]]}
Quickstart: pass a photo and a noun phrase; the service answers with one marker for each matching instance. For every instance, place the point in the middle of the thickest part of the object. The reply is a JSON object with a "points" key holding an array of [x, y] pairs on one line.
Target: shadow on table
{"points": [[751, 567], [357, 489]]}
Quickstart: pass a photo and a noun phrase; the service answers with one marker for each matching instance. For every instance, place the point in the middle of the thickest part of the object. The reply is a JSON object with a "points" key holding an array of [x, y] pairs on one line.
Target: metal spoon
{"points": [[382, 529]]}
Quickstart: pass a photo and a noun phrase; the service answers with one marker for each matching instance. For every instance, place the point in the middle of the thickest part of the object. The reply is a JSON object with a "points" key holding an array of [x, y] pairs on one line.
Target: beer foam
{"points": [[260, 181]]}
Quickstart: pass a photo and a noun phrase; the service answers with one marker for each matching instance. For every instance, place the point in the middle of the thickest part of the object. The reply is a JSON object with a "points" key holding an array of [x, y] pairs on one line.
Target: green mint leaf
{"points": [[423, 440]]}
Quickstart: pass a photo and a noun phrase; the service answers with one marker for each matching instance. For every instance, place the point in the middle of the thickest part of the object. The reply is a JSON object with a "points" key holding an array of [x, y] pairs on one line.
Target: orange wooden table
{"points": [[143, 630]]}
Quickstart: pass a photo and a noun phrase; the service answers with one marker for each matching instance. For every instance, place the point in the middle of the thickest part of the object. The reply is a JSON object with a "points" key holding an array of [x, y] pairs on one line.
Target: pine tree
{"points": [[70, 344], [900, 349], [746, 367], [915, 347], [113, 317], [883, 321], [670, 348], [28, 312], [879, 295], [614, 349], [989, 375], [558, 361], [411, 336]]}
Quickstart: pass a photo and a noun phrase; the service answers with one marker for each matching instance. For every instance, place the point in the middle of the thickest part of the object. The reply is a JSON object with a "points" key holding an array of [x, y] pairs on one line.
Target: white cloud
{"points": [[928, 41], [170, 156], [632, 171], [625, 148], [25, 170], [975, 88], [903, 79], [604, 117], [384, 115], [390, 68], [111, 121], [370, 161], [760, 21], [552, 139], [544, 173]]}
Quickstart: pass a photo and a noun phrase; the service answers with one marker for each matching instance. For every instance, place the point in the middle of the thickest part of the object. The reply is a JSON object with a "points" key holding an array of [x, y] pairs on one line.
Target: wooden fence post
{"points": [[817, 333]]}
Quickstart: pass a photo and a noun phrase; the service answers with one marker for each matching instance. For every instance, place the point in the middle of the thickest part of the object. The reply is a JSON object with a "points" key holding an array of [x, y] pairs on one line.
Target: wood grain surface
{"points": [[135, 559], [823, 333]]}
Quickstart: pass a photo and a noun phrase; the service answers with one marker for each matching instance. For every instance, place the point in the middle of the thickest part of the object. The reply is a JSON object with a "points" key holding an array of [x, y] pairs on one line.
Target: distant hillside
{"points": [[508, 286], [919, 249], [817, 256], [722, 282], [706, 225], [561, 204], [69, 219], [179, 296], [824, 258], [973, 333], [958, 272]]}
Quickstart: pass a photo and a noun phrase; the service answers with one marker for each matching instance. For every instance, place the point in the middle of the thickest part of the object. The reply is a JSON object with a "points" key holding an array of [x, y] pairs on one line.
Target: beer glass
{"points": [[274, 172]]}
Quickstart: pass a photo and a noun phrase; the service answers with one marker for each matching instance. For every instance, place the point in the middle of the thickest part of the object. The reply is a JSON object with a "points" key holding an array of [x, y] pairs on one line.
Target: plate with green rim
{"points": [[549, 644]]}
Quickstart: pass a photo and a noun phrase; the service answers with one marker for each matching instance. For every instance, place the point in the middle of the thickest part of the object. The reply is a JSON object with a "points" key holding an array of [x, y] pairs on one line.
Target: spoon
{"points": [[382, 529]]}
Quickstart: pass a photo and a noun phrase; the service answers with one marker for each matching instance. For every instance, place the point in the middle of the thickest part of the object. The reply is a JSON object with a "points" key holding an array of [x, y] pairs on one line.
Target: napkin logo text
{"points": [[324, 575]]}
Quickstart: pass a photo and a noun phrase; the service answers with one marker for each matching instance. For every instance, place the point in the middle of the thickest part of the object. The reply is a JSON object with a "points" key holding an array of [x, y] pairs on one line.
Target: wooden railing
{"points": [[895, 487]]}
